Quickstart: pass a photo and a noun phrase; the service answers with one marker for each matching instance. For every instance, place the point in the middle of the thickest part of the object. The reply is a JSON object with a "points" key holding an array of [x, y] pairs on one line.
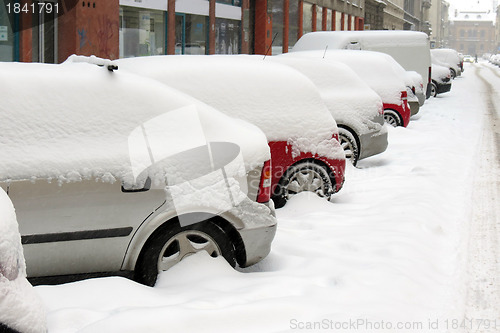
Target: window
{"points": [[44, 37], [230, 2], [227, 36], [6, 35], [142, 32], [293, 23], [277, 15], [319, 18], [307, 21], [483, 33], [462, 33], [329, 20]]}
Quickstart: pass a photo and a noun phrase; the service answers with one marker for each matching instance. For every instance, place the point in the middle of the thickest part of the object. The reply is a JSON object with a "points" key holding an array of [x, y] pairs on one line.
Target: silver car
{"points": [[110, 172]]}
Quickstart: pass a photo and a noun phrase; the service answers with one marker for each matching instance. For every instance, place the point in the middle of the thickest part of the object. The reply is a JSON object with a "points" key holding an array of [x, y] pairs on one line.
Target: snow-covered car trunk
{"points": [[441, 80], [357, 109], [283, 103], [374, 69], [97, 161], [20, 307]]}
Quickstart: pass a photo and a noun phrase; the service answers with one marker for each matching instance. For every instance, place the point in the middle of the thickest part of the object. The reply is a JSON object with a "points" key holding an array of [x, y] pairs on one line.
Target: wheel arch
{"points": [[398, 113], [162, 222], [354, 134]]}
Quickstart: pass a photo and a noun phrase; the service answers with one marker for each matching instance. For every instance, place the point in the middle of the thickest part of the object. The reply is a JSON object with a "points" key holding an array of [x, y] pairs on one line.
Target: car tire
{"points": [[350, 145], [434, 90], [392, 118], [453, 73], [304, 176], [171, 243]]}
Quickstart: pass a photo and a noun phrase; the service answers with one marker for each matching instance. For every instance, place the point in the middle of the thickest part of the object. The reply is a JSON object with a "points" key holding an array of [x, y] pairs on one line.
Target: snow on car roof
{"points": [[320, 40], [370, 66], [282, 102], [350, 100], [75, 120]]}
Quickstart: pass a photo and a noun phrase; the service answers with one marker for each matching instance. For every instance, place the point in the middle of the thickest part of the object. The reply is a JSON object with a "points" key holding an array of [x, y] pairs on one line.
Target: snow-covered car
{"points": [[356, 108], [448, 58], [495, 59], [21, 310], [409, 48], [282, 102], [441, 80], [113, 172], [372, 68]]}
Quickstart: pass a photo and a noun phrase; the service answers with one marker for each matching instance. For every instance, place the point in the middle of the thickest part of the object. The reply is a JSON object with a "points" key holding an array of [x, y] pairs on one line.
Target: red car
{"points": [[284, 104], [377, 72]]}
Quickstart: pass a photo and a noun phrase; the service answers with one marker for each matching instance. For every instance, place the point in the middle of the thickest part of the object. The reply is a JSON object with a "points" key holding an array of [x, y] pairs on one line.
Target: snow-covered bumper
{"points": [[373, 143], [257, 229]]}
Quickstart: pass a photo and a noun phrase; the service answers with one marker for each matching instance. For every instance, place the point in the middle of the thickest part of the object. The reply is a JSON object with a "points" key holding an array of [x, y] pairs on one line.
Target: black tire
{"points": [[166, 242], [453, 73], [434, 90], [349, 144], [322, 180], [392, 118]]}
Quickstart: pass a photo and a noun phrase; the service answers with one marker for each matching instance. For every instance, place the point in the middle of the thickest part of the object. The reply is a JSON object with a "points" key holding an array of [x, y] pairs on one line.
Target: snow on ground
{"points": [[390, 250]]}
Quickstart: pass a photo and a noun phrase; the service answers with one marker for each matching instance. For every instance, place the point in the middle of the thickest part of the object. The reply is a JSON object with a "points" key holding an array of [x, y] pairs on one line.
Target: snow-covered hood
{"points": [[282, 102], [350, 100], [370, 66], [20, 307], [77, 120]]}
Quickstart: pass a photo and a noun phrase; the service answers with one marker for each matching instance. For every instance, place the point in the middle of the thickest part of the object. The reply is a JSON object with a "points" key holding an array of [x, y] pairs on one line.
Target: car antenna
{"points": [[326, 48], [276, 34]]}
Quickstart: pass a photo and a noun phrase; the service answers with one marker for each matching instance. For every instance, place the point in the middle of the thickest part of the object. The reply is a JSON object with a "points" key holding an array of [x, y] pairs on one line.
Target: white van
{"points": [[409, 48]]}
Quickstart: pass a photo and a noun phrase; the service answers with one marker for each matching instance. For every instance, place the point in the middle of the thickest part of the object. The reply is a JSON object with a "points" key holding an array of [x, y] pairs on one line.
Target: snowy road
{"points": [[484, 250], [395, 251]]}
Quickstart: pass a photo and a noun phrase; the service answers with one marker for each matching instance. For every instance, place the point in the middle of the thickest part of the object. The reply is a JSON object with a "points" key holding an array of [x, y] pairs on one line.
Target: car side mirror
{"points": [[134, 188]]}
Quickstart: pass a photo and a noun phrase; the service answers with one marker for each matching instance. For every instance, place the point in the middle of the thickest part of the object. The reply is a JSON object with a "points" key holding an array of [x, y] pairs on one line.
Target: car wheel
{"points": [[349, 144], [392, 118], [171, 243], [453, 73], [304, 176], [434, 90]]}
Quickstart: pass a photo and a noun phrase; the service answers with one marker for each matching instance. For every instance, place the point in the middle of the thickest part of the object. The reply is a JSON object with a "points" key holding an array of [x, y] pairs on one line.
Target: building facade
{"points": [[438, 18], [293, 18], [129, 28], [473, 32], [394, 14]]}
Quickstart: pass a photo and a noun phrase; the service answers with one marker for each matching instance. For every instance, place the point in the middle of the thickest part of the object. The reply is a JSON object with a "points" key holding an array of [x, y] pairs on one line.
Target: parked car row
{"points": [[132, 165]]}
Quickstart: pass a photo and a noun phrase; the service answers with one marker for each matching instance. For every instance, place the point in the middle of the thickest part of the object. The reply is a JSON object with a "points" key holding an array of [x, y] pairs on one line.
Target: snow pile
{"points": [[321, 40], [283, 103], [372, 67], [75, 121], [20, 306], [350, 100]]}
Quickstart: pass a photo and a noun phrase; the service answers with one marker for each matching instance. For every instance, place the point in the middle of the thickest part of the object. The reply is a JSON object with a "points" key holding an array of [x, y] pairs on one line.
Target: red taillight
{"points": [[404, 95], [430, 72], [264, 194]]}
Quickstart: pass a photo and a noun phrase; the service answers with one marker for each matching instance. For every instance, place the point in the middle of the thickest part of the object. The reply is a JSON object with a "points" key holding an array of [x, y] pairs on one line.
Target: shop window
{"points": [[227, 36], [338, 21], [277, 15], [329, 14], [7, 44], [307, 18], [44, 36], [191, 34], [142, 32], [319, 18], [293, 23], [230, 2]]}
